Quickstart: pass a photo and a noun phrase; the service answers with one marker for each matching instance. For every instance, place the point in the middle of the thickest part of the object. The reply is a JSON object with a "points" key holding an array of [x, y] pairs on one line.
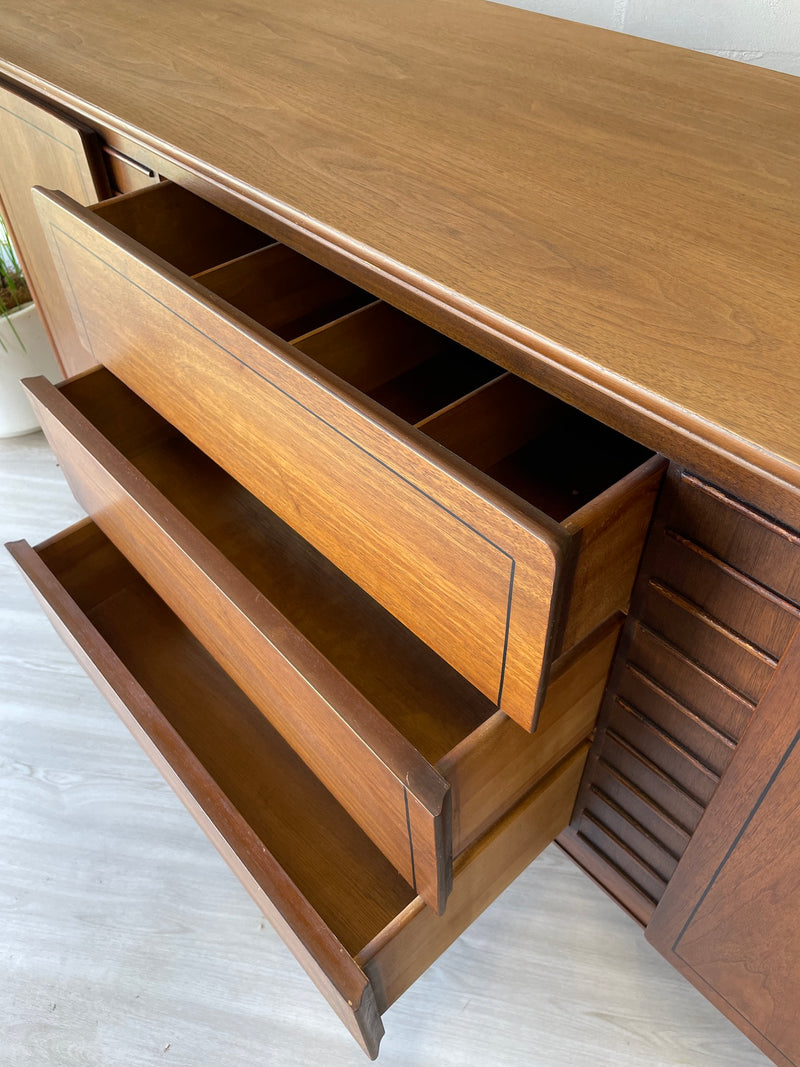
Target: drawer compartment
{"points": [[353, 923], [480, 573], [389, 728]]}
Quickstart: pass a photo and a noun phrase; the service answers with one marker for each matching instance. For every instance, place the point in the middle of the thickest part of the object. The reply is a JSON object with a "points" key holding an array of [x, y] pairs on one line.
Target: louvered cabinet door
{"points": [[688, 810], [38, 146], [729, 920], [714, 608]]}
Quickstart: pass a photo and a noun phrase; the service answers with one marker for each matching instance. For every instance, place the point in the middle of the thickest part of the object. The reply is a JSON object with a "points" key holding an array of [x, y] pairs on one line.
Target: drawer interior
{"points": [[342, 874], [538, 447], [352, 922], [279, 288], [547, 452], [182, 228], [424, 698], [284, 291], [544, 450], [289, 628], [397, 361]]}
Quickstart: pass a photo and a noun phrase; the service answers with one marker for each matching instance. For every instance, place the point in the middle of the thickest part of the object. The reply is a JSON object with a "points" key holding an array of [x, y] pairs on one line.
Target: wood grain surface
{"points": [[127, 941], [621, 215]]}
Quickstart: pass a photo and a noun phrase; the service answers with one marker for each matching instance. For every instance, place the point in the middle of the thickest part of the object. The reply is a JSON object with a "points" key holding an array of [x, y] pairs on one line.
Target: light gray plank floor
{"points": [[127, 942]]}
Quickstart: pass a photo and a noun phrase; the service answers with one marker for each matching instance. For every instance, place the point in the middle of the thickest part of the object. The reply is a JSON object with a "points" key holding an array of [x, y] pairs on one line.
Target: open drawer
{"points": [[351, 920], [496, 523], [420, 759]]}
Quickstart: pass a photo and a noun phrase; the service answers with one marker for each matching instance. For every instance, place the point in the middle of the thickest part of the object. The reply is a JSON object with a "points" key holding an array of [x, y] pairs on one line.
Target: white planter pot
{"points": [[34, 356]]}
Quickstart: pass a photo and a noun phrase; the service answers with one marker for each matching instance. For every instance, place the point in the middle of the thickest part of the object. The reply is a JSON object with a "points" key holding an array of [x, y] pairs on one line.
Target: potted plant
{"points": [[24, 346]]}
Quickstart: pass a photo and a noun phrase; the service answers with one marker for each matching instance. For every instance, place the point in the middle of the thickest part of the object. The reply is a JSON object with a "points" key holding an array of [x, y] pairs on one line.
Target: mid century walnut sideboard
{"points": [[432, 388]]}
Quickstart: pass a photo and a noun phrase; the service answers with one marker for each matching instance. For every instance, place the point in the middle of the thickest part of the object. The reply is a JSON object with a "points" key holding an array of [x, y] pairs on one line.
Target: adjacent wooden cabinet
{"points": [[42, 146], [419, 539]]}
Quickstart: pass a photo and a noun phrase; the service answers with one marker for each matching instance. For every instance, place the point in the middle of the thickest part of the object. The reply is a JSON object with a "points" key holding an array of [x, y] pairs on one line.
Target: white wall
{"points": [[763, 32]]}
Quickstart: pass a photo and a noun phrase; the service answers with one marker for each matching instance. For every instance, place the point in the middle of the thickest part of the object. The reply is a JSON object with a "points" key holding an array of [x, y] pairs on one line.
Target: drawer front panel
{"points": [[400, 801], [497, 764], [455, 562], [397, 957], [362, 940]]}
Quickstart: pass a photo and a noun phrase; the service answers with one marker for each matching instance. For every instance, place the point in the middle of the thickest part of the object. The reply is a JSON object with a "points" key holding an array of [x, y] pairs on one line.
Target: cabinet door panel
{"points": [[41, 147], [729, 919]]}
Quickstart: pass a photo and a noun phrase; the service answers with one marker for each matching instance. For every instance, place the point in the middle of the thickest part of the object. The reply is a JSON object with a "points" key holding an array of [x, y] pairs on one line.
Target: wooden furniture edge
{"points": [[763, 477]]}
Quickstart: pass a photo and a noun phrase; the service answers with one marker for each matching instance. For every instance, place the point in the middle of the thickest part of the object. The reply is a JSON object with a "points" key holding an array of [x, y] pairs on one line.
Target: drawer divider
{"points": [[282, 290]]}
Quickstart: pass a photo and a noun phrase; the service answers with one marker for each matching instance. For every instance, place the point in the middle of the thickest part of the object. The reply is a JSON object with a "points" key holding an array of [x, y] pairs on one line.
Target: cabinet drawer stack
{"points": [[355, 588]]}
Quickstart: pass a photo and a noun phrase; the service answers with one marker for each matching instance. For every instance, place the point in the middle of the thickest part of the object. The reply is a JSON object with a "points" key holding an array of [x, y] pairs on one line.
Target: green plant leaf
{"points": [[14, 291]]}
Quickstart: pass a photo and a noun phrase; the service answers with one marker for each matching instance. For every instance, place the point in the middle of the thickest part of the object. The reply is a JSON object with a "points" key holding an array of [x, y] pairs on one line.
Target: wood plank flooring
{"points": [[125, 941]]}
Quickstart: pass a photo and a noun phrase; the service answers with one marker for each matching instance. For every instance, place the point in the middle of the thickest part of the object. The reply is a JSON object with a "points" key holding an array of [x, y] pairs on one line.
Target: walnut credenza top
{"points": [[613, 218]]}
